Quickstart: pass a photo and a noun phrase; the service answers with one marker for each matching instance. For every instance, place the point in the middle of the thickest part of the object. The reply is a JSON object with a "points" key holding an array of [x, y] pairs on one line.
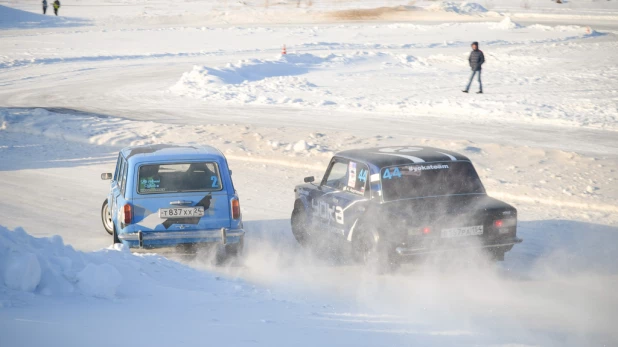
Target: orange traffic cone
{"points": [[284, 51]]}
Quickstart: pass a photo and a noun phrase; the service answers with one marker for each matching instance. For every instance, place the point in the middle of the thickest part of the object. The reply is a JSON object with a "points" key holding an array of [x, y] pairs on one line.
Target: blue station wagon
{"points": [[165, 195]]}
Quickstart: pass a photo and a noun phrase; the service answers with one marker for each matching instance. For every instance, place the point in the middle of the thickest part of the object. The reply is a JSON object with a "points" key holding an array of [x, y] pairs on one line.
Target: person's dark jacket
{"points": [[476, 59]]}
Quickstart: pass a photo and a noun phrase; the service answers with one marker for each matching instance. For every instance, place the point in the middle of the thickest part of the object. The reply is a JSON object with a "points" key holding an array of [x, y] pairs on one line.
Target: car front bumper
{"points": [[166, 238], [505, 244]]}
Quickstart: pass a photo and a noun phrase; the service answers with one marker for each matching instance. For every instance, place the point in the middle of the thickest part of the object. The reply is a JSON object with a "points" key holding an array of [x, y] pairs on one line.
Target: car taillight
{"points": [[126, 214], [426, 230], [235, 209], [505, 223]]}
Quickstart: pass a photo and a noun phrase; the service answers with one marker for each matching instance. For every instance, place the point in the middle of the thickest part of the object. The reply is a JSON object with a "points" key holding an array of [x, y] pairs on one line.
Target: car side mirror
{"points": [[106, 176], [230, 172], [309, 179]]}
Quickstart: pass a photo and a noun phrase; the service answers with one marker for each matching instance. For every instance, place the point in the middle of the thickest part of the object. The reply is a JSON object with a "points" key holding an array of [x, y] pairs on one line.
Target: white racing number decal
{"points": [[326, 212]]}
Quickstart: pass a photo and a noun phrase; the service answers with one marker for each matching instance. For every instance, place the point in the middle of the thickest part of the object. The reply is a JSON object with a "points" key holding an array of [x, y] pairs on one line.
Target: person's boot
{"points": [[465, 91], [479, 92]]}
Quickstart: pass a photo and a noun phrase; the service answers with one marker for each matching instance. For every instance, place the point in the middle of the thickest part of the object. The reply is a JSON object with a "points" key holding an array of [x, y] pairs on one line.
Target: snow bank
{"points": [[99, 280], [48, 267], [459, 8], [233, 140], [278, 81], [259, 80], [11, 18], [248, 71], [505, 24], [22, 271], [253, 70]]}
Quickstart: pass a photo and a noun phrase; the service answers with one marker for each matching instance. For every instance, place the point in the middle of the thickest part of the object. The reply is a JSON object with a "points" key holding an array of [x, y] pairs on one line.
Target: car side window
{"points": [[117, 172], [337, 175], [120, 168], [349, 176], [124, 176], [358, 173]]}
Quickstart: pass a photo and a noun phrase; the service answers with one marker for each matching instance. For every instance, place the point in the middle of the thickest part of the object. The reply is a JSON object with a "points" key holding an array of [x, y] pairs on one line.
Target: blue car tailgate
{"points": [[152, 212]]}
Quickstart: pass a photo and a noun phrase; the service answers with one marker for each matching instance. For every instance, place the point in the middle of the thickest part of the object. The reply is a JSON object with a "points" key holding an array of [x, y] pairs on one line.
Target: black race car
{"points": [[392, 204]]}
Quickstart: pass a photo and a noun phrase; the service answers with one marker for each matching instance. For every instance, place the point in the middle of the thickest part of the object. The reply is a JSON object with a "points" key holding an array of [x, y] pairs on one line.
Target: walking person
{"points": [[56, 7], [44, 6], [476, 59]]}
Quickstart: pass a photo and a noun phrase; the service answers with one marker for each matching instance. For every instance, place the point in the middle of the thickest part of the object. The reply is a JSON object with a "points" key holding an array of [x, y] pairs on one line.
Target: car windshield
{"points": [[423, 180], [182, 177]]}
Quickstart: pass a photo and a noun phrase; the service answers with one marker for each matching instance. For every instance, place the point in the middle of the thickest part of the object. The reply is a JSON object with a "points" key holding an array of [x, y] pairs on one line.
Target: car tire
{"points": [[106, 218], [228, 254], [497, 256], [300, 221], [372, 254], [235, 249]]}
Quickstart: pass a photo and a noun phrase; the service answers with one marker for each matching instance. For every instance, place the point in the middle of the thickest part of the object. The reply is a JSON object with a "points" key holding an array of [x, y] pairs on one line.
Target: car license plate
{"points": [[463, 231], [181, 212]]}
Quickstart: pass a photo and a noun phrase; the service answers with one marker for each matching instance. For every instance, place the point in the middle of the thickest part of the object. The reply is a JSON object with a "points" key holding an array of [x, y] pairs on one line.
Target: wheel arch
{"points": [[358, 227], [302, 203]]}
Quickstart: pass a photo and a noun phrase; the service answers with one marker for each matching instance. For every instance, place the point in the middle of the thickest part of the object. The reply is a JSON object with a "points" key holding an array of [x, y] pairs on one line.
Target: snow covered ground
{"points": [[75, 89]]}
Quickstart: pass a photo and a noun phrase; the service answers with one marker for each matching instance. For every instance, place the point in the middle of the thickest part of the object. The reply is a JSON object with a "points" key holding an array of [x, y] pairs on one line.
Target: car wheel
{"points": [[497, 256], [372, 254], [300, 221], [235, 249], [229, 254], [106, 218], [363, 247]]}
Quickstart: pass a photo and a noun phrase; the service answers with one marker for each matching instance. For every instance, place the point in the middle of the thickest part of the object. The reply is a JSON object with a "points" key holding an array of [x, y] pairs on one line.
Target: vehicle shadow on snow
{"points": [[556, 246]]}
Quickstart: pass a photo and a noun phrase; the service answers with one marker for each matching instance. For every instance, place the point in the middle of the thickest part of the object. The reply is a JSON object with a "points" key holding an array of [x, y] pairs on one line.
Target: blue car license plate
{"points": [[181, 212]]}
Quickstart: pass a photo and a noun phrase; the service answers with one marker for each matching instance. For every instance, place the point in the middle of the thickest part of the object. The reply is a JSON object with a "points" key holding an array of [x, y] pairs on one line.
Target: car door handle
{"points": [[181, 202]]}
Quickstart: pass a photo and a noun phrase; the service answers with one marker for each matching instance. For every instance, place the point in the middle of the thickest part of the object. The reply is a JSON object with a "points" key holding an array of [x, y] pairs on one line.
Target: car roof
{"points": [[165, 152], [381, 157]]}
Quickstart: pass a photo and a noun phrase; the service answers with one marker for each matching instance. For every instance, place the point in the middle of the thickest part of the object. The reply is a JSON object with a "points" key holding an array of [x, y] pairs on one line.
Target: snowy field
{"points": [[107, 74]]}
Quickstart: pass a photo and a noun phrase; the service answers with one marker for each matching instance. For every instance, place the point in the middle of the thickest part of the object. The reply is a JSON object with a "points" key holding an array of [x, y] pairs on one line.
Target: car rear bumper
{"points": [[167, 238], [505, 244]]}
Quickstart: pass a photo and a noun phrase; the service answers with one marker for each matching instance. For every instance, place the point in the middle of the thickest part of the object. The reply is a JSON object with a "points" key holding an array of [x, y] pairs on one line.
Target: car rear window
{"points": [[182, 177], [423, 180]]}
